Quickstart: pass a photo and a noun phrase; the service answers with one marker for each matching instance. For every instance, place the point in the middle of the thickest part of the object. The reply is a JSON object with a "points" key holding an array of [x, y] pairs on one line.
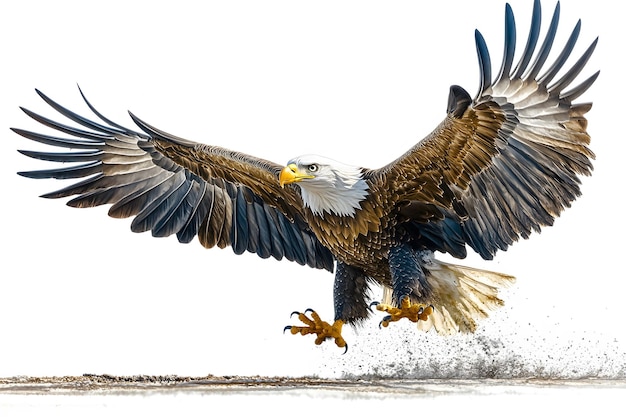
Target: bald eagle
{"points": [[499, 166]]}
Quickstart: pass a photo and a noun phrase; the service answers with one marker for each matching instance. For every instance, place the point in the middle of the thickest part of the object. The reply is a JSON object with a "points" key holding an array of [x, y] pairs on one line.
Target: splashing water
{"points": [[492, 352]]}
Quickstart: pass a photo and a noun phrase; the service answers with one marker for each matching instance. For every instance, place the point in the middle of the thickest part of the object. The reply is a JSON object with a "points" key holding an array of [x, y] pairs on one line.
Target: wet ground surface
{"points": [[107, 395], [146, 384]]}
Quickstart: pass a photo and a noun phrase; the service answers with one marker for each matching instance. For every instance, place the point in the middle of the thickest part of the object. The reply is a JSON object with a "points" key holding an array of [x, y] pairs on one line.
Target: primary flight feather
{"points": [[499, 166]]}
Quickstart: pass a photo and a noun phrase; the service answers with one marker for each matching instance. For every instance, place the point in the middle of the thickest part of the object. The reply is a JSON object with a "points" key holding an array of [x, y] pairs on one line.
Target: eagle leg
{"points": [[411, 311], [315, 325], [408, 281]]}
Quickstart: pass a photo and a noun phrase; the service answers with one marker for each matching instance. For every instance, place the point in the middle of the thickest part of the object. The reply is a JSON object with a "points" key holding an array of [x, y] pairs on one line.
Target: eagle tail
{"points": [[459, 294]]}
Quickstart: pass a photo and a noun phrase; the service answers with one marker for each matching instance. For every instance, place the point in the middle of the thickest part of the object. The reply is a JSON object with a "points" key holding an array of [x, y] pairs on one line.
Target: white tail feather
{"points": [[460, 295]]}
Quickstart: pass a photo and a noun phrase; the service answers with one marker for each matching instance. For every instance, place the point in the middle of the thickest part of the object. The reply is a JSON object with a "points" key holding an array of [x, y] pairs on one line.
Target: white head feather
{"points": [[334, 188]]}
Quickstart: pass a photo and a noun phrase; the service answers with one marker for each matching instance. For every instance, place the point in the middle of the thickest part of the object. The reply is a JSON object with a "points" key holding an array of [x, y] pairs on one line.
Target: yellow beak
{"points": [[291, 174]]}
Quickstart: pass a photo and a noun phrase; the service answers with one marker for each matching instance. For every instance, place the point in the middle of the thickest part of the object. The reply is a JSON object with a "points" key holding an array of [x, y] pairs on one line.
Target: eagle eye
{"points": [[312, 168]]}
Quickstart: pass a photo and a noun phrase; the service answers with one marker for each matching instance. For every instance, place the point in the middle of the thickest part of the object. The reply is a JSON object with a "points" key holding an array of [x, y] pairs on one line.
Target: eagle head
{"points": [[326, 186]]}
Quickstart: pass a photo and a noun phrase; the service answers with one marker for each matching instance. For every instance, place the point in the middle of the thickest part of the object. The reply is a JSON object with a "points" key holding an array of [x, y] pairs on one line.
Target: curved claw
{"points": [[372, 304], [345, 350], [385, 320], [309, 310], [286, 328], [295, 313]]}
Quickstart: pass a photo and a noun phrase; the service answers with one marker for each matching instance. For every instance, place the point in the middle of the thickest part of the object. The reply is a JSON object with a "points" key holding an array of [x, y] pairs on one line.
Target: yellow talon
{"points": [[413, 312], [323, 330]]}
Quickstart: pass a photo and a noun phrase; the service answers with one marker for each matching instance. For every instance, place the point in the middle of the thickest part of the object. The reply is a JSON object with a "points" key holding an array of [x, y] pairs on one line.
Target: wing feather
{"points": [[240, 227], [507, 162], [277, 248], [175, 186], [198, 211]]}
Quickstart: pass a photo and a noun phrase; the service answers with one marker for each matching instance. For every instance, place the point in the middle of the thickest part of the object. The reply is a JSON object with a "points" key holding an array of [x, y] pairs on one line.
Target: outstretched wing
{"points": [[507, 162], [176, 186]]}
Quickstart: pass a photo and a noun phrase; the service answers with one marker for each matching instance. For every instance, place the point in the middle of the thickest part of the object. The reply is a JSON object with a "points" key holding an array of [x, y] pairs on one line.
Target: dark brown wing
{"points": [[507, 162], [175, 186]]}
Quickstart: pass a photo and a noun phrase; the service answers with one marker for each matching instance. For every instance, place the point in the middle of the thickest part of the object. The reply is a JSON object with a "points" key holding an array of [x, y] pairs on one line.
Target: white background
{"points": [[359, 81]]}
